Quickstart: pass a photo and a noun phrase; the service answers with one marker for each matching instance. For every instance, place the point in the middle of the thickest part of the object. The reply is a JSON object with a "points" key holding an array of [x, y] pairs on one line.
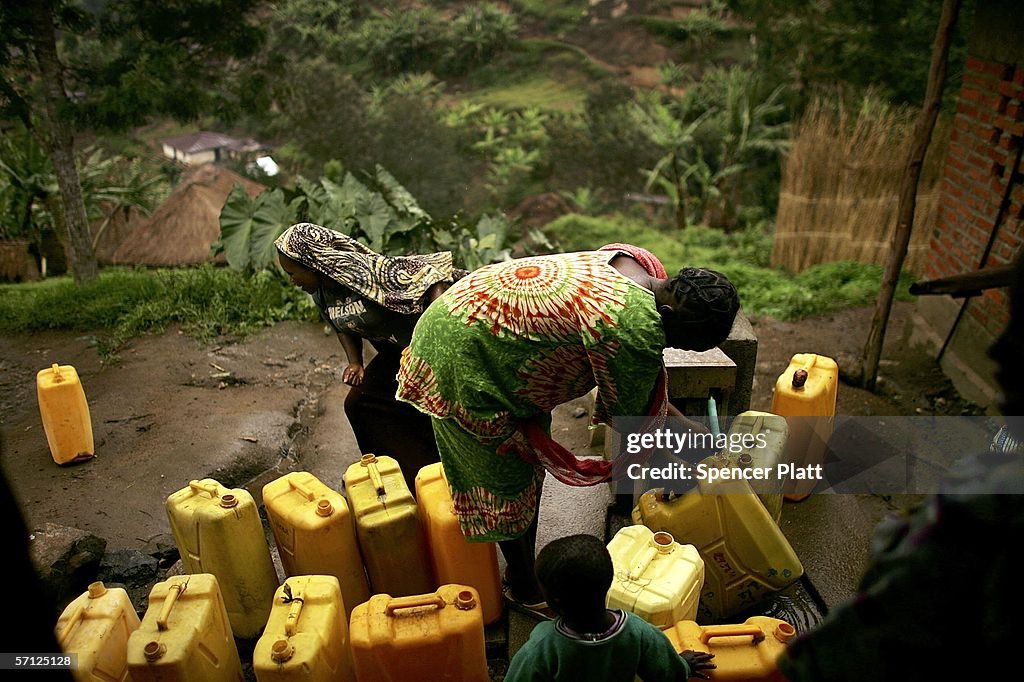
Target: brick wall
{"points": [[985, 144]]}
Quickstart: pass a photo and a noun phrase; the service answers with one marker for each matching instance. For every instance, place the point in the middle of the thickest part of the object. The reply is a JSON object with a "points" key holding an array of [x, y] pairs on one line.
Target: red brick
{"points": [[1005, 252], [999, 70], [1009, 89], [979, 161], [969, 95], [955, 161], [974, 64], [957, 151], [961, 122]]}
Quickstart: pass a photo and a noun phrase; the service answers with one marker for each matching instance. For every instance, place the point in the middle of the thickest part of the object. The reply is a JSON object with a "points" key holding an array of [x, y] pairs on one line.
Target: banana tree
{"points": [[675, 137]]}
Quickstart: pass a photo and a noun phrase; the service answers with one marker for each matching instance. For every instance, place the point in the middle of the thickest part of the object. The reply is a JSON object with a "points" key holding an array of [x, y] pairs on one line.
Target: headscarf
{"points": [[398, 283], [645, 258]]}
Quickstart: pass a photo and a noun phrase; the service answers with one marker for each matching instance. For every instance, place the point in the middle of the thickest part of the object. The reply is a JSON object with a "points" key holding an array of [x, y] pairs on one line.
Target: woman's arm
{"points": [[353, 345]]}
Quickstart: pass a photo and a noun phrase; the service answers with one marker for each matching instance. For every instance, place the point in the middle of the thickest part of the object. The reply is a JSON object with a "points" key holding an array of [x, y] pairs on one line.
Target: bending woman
{"points": [[504, 346], [364, 295]]}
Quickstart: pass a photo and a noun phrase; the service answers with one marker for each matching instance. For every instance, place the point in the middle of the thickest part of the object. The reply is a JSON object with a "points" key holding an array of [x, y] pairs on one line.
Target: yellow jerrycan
{"points": [[315, 533], [453, 559], [746, 556], [655, 577], [96, 627], [758, 440], [806, 395], [306, 637], [65, 414], [436, 636], [185, 635], [391, 537], [218, 531], [745, 652]]}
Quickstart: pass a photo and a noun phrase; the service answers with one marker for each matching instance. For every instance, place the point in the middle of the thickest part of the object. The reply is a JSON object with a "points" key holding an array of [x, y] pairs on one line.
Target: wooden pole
{"points": [[908, 192]]}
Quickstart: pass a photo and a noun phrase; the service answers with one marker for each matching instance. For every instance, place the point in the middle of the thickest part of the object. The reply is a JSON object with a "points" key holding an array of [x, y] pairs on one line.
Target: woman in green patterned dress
{"points": [[505, 345]]}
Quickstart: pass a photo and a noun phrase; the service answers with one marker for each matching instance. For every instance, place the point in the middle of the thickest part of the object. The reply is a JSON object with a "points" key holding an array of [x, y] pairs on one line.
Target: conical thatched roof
{"points": [[182, 229], [115, 233]]}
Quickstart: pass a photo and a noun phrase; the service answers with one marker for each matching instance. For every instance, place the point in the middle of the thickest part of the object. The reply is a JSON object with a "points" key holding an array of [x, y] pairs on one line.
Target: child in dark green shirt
{"points": [[589, 641]]}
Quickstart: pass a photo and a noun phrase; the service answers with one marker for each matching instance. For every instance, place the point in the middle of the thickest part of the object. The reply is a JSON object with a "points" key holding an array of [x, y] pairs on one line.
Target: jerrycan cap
{"points": [[784, 632], [464, 601], [228, 501], [154, 650], [324, 507], [662, 541], [97, 589], [799, 378], [745, 459], [281, 651]]}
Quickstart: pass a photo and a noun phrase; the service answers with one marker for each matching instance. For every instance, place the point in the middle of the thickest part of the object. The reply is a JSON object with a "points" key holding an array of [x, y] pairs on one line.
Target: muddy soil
{"points": [[171, 409]]}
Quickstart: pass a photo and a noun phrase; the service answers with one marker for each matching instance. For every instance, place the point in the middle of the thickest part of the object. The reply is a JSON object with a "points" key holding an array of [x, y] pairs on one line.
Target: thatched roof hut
{"points": [[182, 229], [116, 231]]}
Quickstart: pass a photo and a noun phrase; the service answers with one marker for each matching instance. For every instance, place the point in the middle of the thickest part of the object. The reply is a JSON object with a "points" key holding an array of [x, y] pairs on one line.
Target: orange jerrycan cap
{"points": [[324, 508], [784, 632], [154, 650], [281, 651], [465, 601], [97, 590], [663, 541]]}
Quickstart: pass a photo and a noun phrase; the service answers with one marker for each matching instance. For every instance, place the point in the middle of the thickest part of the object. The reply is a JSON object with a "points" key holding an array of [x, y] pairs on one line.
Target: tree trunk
{"points": [[908, 192], [59, 141]]}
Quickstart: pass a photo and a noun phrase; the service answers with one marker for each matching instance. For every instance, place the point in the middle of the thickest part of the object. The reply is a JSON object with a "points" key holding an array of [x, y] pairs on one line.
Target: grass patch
{"points": [[744, 258], [542, 92], [555, 15], [536, 73], [122, 304]]}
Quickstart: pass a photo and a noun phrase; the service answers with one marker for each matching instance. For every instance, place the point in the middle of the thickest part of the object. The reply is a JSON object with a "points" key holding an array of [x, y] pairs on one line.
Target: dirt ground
{"points": [[171, 409]]}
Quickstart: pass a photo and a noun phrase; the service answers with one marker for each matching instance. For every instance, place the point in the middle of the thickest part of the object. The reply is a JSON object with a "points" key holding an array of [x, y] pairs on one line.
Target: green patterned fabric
{"points": [[510, 342]]}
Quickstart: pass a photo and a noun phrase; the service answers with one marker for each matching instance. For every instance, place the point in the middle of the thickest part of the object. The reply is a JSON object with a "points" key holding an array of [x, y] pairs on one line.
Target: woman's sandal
{"points": [[538, 611]]}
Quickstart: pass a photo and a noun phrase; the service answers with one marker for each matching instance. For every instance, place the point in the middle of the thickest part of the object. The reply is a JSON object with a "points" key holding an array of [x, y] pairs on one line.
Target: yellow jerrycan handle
{"points": [[413, 602], [301, 489], [464, 601], [708, 632], [293, 613], [57, 376], [370, 462], [661, 543], [200, 487], [173, 592]]}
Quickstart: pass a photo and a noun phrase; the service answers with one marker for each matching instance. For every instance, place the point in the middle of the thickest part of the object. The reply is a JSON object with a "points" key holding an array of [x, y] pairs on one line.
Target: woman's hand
{"points": [[699, 661], [353, 374]]}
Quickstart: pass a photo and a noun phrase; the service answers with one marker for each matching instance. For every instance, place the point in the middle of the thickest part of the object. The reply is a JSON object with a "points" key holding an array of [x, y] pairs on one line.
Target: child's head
{"points": [[575, 573]]}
